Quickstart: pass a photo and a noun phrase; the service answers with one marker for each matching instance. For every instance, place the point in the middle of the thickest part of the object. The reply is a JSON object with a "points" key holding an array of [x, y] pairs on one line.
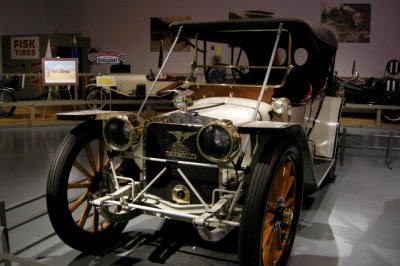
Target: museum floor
{"points": [[353, 221]]}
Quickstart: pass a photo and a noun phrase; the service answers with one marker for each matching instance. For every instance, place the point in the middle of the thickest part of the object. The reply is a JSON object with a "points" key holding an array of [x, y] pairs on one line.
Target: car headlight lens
{"points": [[122, 131], [218, 140], [280, 105]]}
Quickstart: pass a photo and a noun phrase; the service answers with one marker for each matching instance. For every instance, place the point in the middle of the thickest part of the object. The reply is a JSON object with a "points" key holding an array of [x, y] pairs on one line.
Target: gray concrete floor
{"points": [[353, 221]]}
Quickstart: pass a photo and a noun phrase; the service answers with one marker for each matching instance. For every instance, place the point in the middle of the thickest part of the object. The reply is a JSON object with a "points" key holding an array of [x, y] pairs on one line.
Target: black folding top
{"points": [[211, 30]]}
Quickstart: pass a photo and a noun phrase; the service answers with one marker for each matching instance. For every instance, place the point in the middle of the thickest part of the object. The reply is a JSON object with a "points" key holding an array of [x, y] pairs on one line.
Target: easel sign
{"points": [[60, 71]]}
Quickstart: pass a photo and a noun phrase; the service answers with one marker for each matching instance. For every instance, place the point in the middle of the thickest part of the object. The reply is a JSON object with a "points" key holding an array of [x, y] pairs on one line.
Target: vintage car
{"points": [[130, 86], [373, 91], [238, 153]]}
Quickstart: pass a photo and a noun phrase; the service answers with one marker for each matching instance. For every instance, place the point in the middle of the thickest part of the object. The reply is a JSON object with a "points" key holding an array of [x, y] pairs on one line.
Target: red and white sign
{"points": [[26, 47]]}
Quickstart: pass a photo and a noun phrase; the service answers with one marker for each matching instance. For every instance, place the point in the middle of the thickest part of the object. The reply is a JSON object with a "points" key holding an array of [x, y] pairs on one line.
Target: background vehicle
{"points": [[382, 91], [7, 88], [237, 154], [133, 86]]}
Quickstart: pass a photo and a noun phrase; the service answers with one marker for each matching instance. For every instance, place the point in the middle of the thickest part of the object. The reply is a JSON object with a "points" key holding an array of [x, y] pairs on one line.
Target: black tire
{"points": [[96, 94], [6, 97], [263, 206], [75, 178], [391, 116]]}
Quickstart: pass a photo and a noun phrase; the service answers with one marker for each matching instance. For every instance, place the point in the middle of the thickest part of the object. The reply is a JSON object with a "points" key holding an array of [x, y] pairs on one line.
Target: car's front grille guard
{"points": [[175, 210]]}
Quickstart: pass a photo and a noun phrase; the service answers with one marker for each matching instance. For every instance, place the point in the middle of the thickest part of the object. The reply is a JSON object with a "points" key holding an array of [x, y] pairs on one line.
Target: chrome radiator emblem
{"points": [[178, 150]]}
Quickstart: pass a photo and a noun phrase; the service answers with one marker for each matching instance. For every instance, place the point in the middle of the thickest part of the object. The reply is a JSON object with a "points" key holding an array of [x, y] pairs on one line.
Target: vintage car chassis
{"points": [[240, 157]]}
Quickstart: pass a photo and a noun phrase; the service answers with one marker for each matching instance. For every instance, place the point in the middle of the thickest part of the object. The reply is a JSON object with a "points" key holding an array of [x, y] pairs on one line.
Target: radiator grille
{"points": [[162, 142]]}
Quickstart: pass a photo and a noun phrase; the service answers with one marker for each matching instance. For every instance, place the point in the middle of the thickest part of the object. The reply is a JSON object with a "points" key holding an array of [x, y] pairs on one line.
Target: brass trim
{"points": [[135, 124], [177, 194], [233, 136], [178, 149], [288, 67], [284, 100]]}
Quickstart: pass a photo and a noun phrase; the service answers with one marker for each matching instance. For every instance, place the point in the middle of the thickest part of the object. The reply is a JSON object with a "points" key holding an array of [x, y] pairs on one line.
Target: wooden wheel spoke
{"points": [[268, 232], [100, 155], [287, 167], [274, 195], [289, 183], [267, 252], [271, 206], [268, 220], [280, 179], [78, 185], [276, 192], [84, 216], [89, 155], [77, 203], [278, 243], [289, 202], [107, 163], [83, 170]]}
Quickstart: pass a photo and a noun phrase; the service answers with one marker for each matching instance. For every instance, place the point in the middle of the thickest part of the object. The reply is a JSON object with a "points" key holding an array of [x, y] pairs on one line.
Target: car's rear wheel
{"points": [[7, 97], [79, 174], [393, 98], [272, 207]]}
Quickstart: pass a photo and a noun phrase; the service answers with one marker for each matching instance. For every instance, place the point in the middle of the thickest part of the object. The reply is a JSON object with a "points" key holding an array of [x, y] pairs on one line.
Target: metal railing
{"points": [[151, 105], [371, 107], [389, 147]]}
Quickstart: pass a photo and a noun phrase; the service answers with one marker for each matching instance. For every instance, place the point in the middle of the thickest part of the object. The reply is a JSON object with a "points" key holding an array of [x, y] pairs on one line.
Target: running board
{"points": [[322, 168]]}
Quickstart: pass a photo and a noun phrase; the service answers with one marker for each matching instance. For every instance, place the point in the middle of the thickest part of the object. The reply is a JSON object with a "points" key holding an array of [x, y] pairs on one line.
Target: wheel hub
{"points": [[282, 217], [99, 185], [278, 215]]}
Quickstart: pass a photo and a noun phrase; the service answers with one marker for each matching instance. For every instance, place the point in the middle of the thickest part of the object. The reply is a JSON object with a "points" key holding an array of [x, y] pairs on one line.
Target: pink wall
{"points": [[124, 26]]}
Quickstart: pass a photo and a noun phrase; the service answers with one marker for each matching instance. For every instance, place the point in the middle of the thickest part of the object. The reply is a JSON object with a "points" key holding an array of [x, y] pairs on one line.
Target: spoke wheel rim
{"points": [[97, 95], [279, 213], [84, 188]]}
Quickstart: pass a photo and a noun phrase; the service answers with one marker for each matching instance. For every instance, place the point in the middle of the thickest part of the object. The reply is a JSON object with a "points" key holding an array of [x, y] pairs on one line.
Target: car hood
{"points": [[238, 110]]}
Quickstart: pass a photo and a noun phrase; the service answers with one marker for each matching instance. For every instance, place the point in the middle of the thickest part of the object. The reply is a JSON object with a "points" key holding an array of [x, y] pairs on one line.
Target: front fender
{"points": [[84, 126], [273, 131]]}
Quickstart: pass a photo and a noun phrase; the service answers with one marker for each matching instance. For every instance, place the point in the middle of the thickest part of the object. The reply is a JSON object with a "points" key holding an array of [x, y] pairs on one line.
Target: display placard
{"points": [[102, 81]]}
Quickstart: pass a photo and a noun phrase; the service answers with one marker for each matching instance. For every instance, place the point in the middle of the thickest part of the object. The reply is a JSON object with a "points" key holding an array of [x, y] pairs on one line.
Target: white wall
{"points": [[124, 26]]}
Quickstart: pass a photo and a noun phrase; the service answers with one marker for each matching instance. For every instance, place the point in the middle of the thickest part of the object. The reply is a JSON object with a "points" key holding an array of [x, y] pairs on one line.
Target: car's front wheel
{"points": [[272, 207], [79, 174]]}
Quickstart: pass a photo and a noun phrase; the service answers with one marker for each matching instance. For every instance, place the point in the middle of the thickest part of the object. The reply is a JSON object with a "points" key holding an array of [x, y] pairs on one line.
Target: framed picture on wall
{"points": [[60, 71], [349, 22]]}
